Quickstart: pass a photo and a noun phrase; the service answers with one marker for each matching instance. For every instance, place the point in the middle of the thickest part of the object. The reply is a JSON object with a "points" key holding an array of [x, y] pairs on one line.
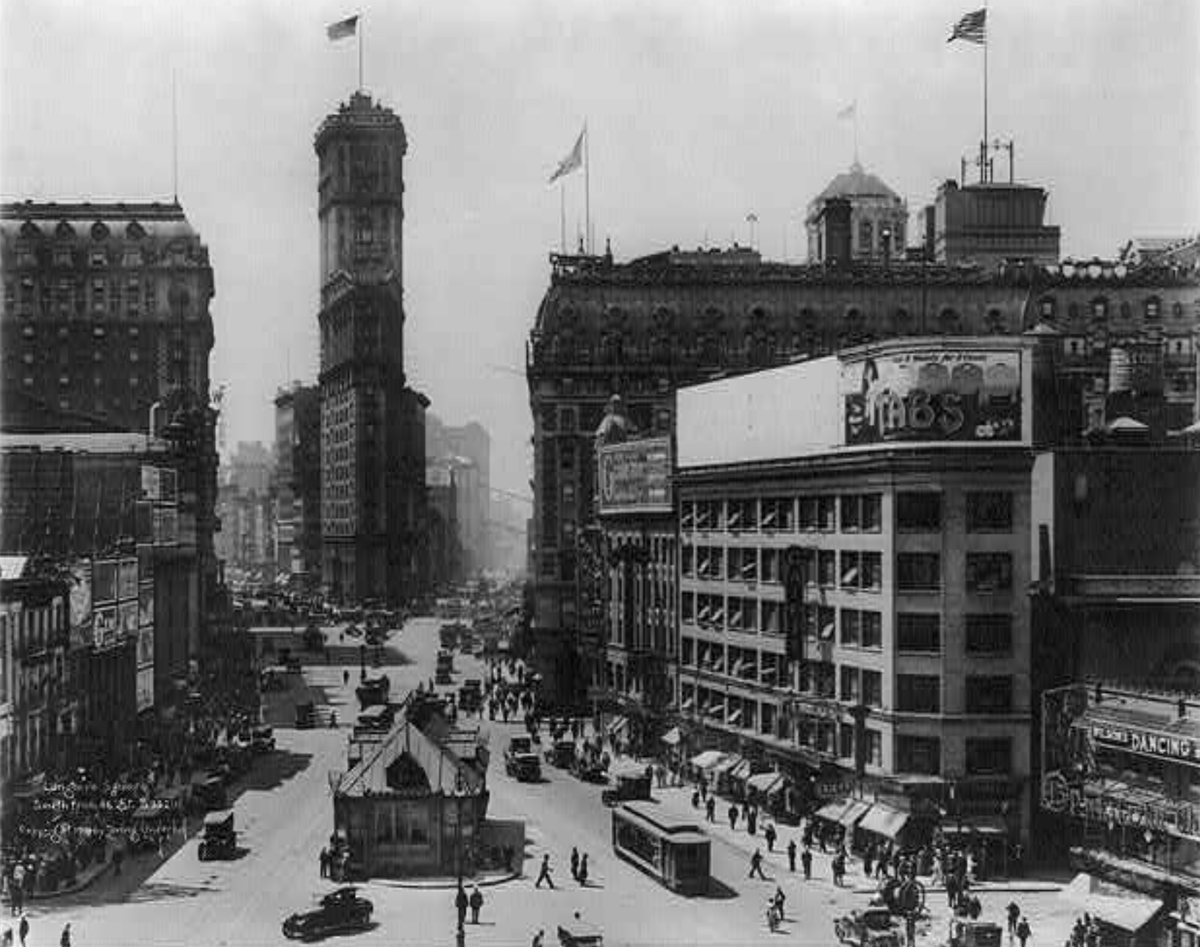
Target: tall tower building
{"points": [[372, 425]]}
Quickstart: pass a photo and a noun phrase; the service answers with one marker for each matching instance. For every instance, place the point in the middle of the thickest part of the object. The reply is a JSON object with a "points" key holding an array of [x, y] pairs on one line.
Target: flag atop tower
{"points": [[342, 28], [972, 28], [571, 162]]}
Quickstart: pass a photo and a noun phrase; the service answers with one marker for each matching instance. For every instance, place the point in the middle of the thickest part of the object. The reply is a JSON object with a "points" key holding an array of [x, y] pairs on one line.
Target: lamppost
{"points": [[460, 935]]}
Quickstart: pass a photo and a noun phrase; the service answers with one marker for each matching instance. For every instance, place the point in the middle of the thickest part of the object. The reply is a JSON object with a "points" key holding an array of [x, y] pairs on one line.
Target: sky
{"points": [[699, 114]]}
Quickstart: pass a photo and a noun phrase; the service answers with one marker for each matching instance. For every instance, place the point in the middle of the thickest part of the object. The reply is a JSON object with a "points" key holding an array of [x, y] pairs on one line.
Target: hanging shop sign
{"points": [[1095, 802], [1143, 741]]}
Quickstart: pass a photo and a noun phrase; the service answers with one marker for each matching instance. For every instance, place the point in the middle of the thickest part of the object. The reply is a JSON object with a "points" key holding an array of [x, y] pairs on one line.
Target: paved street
{"points": [[284, 817]]}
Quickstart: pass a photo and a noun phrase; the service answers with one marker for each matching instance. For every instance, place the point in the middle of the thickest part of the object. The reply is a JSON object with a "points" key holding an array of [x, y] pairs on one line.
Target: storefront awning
{"points": [[728, 764], [832, 811], [671, 737], [616, 725], [766, 783], [708, 759], [854, 813], [741, 771], [884, 820], [1120, 907]]}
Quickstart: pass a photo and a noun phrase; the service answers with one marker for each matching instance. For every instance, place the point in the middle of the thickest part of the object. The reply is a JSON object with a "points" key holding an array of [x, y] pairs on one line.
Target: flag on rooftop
{"points": [[848, 111], [572, 162], [972, 28], [342, 28]]}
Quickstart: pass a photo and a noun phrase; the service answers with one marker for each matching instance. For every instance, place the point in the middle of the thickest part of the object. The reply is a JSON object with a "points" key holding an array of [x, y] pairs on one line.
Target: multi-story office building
{"points": [[372, 424], [298, 483], [468, 448], [854, 536]]}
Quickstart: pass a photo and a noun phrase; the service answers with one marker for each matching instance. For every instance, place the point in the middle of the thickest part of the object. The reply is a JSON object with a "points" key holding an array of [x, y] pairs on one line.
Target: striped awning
{"points": [[766, 783]]}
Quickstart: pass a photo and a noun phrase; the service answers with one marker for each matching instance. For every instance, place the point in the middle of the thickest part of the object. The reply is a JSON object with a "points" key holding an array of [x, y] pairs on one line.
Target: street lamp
{"points": [[460, 935]]}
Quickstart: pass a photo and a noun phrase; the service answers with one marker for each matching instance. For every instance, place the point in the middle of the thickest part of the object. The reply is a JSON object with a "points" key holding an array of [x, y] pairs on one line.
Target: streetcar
{"points": [[675, 853]]}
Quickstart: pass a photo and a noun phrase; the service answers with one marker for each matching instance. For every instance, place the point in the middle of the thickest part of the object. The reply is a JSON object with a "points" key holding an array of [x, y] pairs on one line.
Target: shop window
{"points": [[772, 617], [687, 515], [989, 757], [918, 572], [919, 512], [918, 631], [686, 560], [991, 694], [872, 629], [872, 688], [918, 693], [918, 755], [827, 514], [989, 511], [808, 513], [989, 572], [776, 514], [846, 740]]}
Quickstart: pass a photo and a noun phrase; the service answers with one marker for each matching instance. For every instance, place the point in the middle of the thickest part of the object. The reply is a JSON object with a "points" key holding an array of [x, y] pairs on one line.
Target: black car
{"points": [[341, 910]]}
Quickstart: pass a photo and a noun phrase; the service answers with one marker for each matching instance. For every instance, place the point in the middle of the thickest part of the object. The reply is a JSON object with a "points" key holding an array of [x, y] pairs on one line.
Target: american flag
{"points": [[971, 27]]}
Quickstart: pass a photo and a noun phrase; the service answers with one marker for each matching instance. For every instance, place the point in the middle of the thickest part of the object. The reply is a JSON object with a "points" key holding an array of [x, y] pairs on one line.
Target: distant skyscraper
{"points": [[372, 424]]}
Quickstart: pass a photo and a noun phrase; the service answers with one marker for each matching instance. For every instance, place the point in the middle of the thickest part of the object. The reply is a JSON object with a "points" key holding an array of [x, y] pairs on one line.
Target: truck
{"points": [[521, 762]]}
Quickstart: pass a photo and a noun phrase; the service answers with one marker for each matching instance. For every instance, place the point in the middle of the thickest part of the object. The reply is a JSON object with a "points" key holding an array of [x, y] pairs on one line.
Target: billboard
{"points": [[145, 647], [127, 580], [948, 393], [104, 581], [106, 627], [636, 477], [145, 688]]}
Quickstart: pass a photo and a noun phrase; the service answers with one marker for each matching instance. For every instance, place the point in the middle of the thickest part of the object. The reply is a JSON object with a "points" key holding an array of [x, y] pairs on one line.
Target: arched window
{"points": [[1047, 310], [994, 322], [949, 322], [1100, 310]]}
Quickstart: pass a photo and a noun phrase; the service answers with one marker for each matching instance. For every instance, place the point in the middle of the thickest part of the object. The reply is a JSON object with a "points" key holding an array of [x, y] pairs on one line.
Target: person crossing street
{"points": [[544, 873], [791, 854], [756, 861]]}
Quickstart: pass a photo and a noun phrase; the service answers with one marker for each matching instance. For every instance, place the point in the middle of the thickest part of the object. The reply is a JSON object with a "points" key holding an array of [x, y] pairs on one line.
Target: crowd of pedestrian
{"points": [[1085, 933]]}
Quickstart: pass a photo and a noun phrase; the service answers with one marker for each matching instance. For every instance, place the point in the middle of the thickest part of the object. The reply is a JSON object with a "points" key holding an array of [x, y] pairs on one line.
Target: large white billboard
{"points": [[792, 411]]}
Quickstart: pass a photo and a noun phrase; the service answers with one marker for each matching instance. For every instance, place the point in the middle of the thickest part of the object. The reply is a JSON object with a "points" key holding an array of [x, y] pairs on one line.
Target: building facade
{"points": [[372, 424], [899, 655], [878, 218], [642, 329], [467, 445], [298, 484], [989, 223]]}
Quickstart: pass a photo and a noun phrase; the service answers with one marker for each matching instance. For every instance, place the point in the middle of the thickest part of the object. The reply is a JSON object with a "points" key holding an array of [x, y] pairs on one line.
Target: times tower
{"points": [[372, 424]]}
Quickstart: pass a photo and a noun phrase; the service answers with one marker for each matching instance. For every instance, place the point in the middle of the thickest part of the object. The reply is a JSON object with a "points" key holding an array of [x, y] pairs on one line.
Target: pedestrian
{"points": [[868, 859], [1014, 915], [711, 809], [791, 853], [345, 677], [583, 871], [6, 939], [323, 858], [839, 866], [65, 939], [23, 930], [460, 902], [1023, 931], [539, 939], [769, 834], [952, 890], [806, 862], [733, 816], [544, 873], [779, 901], [756, 865], [575, 863], [476, 902]]}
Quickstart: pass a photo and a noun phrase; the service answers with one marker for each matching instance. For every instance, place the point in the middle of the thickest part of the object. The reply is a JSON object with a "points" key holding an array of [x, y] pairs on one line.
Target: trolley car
{"points": [[677, 854]]}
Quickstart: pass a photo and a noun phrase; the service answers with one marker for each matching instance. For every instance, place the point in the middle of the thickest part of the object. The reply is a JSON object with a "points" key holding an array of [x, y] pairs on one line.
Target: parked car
{"points": [[219, 839], [341, 910], [262, 740], [521, 762], [561, 753]]}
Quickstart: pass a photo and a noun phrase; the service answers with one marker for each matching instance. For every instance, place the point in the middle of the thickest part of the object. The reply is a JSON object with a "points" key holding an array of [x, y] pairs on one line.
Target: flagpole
{"points": [[174, 141], [856, 131], [562, 216], [358, 33], [983, 144], [587, 185]]}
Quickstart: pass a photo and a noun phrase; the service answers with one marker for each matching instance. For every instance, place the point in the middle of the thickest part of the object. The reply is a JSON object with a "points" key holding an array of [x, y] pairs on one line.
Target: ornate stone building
{"points": [[372, 423], [644, 328]]}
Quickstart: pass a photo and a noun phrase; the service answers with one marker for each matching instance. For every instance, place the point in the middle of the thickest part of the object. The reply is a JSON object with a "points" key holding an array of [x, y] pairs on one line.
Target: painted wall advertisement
{"points": [[145, 688], [636, 476], [946, 394]]}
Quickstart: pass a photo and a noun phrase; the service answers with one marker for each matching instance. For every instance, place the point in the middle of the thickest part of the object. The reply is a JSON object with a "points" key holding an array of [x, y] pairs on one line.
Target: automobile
{"points": [[578, 933], [306, 715], [208, 793], [872, 927], [590, 769], [340, 910], [219, 839], [470, 695], [262, 739], [521, 762], [373, 690], [353, 631], [628, 784], [561, 753], [974, 934]]}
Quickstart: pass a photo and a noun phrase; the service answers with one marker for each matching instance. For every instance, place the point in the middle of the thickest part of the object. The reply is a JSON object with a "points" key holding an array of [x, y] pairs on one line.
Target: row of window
{"points": [[987, 511]]}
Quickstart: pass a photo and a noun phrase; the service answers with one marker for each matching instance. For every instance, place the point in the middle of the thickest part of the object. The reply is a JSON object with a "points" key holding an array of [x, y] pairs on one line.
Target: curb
{"points": [[74, 889], [1033, 888], [443, 884]]}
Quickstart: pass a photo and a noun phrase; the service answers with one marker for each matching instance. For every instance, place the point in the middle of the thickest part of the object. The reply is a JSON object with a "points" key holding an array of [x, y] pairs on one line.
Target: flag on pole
{"points": [[848, 111], [342, 28], [972, 28], [572, 162]]}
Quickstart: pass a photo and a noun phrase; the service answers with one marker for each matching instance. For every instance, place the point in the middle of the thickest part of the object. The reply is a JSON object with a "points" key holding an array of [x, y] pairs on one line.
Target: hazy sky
{"points": [[700, 113]]}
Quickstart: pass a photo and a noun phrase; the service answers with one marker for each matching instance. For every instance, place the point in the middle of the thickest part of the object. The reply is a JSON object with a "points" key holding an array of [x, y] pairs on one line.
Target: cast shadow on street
{"points": [[719, 891], [271, 771]]}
